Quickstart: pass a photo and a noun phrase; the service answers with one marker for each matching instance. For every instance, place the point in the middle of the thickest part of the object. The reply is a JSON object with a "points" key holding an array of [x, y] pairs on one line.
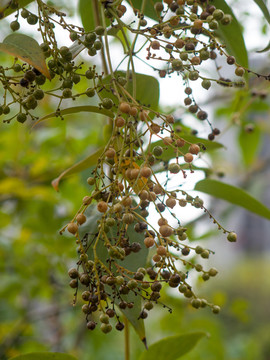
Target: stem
{"points": [[127, 343], [97, 23]]}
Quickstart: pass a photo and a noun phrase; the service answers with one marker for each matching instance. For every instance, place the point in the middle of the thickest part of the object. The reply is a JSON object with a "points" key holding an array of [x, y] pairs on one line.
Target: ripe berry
{"points": [[102, 206], [73, 273], [72, 228], [202, 115], [194, 149], [81, 219], [230, 60], [110, 153], [124, 108], [146, 172], [170, 202], [188, 157], [119, 326], [91, 325], [155, 45], [161, 250], [165, 230]]}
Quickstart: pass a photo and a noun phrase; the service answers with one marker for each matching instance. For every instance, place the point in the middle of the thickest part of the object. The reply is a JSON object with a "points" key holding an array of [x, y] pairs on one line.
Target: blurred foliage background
{"points": [[36, 311]]}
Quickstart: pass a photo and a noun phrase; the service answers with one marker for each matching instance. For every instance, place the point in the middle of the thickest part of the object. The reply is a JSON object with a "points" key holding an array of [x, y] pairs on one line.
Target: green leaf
{"points": [[86, 163], [27, 49], [249, 144], [44, 356], [263, 6], [5, 11], [75, 110], [172, 347], [232, 35], [132, 263], [233, 195], [147, 89], [149, 9], [86, 12]]}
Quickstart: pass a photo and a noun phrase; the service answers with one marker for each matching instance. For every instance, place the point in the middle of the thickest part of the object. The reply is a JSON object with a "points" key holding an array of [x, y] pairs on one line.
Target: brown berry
{"points": [[194, 149], [102, 206], [119, 121], [124, 107], [72, 228], [149, 242], [188, 157], [81, 219], [165, 230], [161, 250], [146, 172]]}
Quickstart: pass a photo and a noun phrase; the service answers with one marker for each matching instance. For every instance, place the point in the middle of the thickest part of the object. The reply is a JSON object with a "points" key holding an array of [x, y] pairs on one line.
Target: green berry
{"points": [[21, 118], [226, 20], [158, 150], [40, 79], [193, 75], [212, 272], [196, 303], [99, 30], [216, 309], [97, 45], [106, 328], [38, 94], [239, 71], [232, 237], [206, 84], [73, 36], [17, 68], [32, 19], [205, 254], [104, 318], [24, 13], [6, 110], [174, 168], [177, 65], [90, 92], [213, 25], [91, 181], [76, 78], [14, 25], [89, 74], [67, 84], [218, 14], [107, 103], [67, 93]]}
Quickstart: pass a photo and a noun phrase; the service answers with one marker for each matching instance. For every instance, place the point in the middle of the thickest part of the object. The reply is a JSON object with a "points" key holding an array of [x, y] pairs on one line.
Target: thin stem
{"points": [[127, 343]]}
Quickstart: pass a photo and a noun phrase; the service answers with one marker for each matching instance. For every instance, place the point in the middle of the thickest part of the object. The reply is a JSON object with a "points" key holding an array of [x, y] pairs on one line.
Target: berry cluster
{"points": [[125, 185]]}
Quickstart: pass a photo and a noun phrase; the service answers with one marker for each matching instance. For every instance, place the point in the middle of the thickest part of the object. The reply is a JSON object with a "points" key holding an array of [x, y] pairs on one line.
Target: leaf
{"points": [[233, 195], [249, 143], [147, 89], [4, 11], [232, 35], [89, 161], [44, 356], [149, 9], [172, 347], [27, 49], [132, 263], [86, 12], [265, 49], [76, 109], [262, 5]]}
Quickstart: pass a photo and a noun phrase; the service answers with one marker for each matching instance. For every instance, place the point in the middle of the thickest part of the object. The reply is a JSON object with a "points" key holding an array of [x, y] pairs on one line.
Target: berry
{"points": [[239, 71], [32, 19], [159, 7], [194, 149], [124, 108], [38, 94], [232, 237], [24, 13], [81, 219], [14, 25], [216, 309], [177, 65], [146, 172], [72, 228], [193, 75], [21, 118], [73, 273], [206, 84], [230, 60], [91, 325], [165, 230], [188, 157], [90, 92], [107, 103], [174, 168], [106, 328], [161, 250], [202, 115], [102, 206], [155, 45]]}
